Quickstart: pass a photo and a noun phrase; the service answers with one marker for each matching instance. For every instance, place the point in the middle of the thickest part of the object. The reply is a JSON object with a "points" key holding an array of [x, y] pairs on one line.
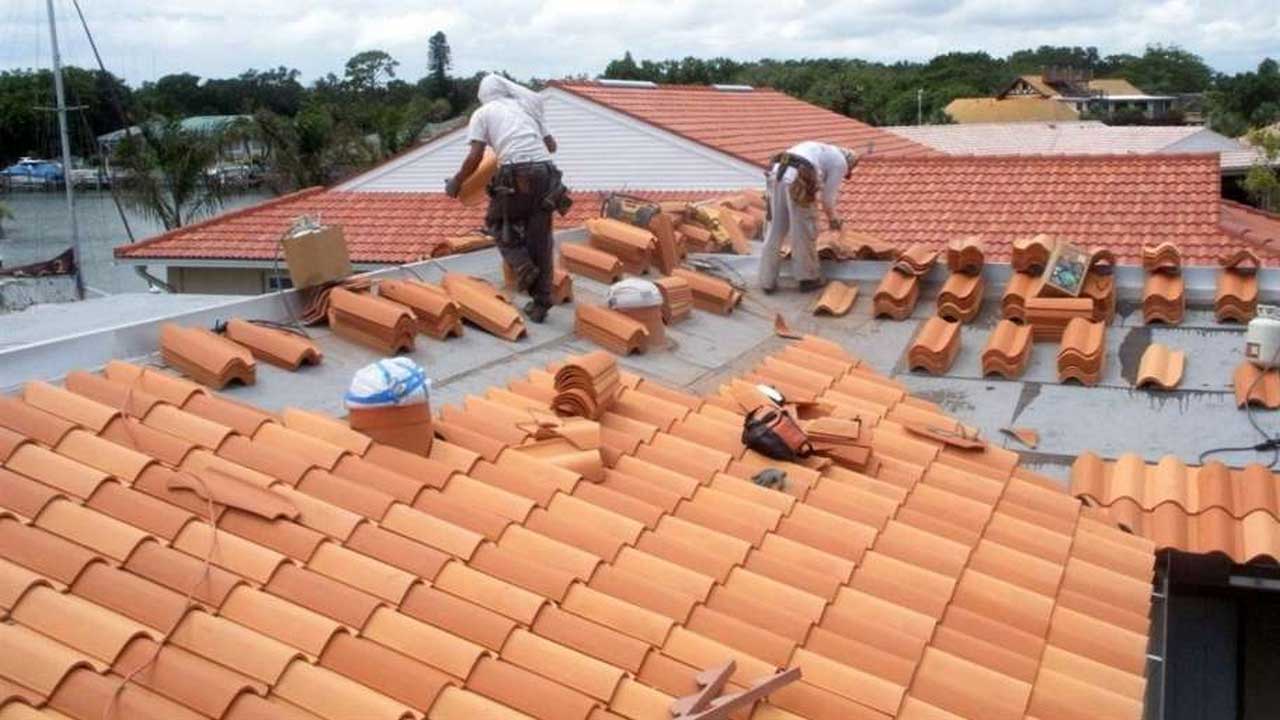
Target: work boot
{"points": [[536, 311], [811, 285], [768, 290]]}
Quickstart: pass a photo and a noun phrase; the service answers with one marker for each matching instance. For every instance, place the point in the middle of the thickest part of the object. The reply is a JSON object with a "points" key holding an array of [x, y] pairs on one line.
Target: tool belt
{"points": [[531, 178], [804, 188], [774, 432]]}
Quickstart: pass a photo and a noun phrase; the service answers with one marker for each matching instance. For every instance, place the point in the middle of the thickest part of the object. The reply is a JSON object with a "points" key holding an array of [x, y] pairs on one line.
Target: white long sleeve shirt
{"points": [[830, 165]]}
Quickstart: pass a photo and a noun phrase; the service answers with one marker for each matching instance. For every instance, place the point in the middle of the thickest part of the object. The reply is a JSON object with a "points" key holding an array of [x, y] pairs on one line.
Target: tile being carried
{"points": [[438, 315], [376, 322], [935, 346], [1008, 350], [484, 306], [590, 262], [206, 357], [836, 299], [1161, 367], [280, 346]]}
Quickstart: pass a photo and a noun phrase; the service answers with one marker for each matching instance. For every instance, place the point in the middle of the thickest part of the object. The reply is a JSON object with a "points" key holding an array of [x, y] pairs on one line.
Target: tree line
{"points": [[890, 93], [367, 112]]}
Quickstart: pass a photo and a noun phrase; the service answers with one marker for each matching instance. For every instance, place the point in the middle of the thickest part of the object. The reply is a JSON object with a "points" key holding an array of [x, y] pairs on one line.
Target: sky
{"points": [[145, 39]]}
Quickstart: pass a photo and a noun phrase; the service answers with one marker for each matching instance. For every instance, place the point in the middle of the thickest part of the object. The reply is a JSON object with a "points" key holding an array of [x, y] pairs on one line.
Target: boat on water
{"points": [[33, 172]]}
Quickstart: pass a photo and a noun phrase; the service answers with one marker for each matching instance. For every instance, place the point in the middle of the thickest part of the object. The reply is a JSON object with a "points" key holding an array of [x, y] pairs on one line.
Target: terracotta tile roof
{"points": [[749, 125], [932, 582], [379, 227], [1132, 200], [1199, 509]]}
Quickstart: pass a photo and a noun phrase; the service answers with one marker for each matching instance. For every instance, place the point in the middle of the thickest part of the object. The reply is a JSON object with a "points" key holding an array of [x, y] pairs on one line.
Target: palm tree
{"points": [[311, 149], [5, 214], [165, 172]]}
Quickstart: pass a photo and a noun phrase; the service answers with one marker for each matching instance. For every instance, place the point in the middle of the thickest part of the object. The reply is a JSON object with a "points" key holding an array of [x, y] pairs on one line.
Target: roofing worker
{"points": [[525, 189], [793, 182]]}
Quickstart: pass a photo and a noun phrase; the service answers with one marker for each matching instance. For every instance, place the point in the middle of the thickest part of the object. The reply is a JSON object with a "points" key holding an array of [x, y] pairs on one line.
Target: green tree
{"points": [[1164, 69], [164, 172], [369, 71], [1263, 181], [623, 69], [439, 60], [313, 148]]}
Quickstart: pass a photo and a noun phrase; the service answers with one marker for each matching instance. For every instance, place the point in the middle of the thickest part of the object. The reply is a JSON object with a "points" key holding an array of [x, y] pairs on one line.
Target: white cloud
{"points": [[570, 37]]}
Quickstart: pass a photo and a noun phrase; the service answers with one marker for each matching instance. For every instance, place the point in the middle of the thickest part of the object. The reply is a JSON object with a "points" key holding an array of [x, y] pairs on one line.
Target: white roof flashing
{"points": [[610, 82]]}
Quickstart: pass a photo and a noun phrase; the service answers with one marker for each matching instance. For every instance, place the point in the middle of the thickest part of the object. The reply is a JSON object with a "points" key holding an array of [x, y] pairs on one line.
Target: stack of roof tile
{"points": [[1048, 317], [846, 244], [1199, 509], [590, 262], [482, 305], [916, 260], [696, 238], [710, 293], [1031, 254], [1237, 295], [966, 255], [561, 284], [586, 385], [437, 314], [1255, 386], [935, 346], [960, 298], [1083, 351], [937, 583], [633, 246], [280, 346], [899, 290], [1160, 367], [1101, 289], [836, 299], [1008, 350], [1164, 294], [379, 323], [896, 295], [315, 306], [677, 298], [610, 329], [206, 357], [1021, 286]]}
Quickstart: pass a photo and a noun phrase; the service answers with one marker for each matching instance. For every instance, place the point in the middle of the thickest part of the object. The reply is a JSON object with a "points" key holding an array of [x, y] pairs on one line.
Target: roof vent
{"points": [[733, 88], [627, 83]]}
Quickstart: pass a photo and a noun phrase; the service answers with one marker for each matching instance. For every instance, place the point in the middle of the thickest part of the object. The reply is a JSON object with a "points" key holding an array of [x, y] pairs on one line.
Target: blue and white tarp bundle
{"points": [[388, 383]]}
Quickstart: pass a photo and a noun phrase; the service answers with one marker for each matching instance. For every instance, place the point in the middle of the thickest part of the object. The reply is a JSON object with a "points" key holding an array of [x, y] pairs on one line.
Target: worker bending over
{"points": [[526, 188], [793, 182]]}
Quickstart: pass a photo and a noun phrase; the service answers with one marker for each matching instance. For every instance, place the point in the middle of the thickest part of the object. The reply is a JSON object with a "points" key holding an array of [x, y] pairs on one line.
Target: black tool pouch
{"points": [[772, 432]]}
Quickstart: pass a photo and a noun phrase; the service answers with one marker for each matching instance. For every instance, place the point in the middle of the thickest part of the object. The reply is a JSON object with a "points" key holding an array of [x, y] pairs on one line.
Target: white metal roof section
{"points": [[599, 149], [1064, 138]]}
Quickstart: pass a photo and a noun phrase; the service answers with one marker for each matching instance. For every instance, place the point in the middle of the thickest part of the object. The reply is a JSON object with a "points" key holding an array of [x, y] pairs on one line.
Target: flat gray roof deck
{"points": [[707, 349]]}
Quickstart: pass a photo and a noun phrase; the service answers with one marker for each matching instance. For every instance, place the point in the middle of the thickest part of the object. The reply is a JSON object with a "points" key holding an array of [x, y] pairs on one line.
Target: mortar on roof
{"points": [[1135, 343]]}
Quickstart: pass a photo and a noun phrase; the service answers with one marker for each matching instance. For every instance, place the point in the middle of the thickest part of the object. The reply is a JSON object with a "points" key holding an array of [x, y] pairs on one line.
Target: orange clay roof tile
{"points": [[1161, 367], [379, 323], [1255, 386], [935, 347], [1164, 299], [206, 357], [482, 305], [284, 348], [710, 293], [965, 255], [836, 299], [437, 314]]}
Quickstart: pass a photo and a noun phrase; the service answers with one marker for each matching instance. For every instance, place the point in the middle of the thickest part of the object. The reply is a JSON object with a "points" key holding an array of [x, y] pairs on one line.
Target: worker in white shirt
{"points": [[524, 191], [793, 183]]}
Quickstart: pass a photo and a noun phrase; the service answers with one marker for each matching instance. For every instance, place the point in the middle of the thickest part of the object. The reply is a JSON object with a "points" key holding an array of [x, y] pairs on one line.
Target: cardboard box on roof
{"points": [[315, 257]]}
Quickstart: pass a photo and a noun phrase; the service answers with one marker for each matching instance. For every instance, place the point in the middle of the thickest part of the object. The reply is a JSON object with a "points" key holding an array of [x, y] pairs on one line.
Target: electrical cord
{"points": [[1269, 442]]}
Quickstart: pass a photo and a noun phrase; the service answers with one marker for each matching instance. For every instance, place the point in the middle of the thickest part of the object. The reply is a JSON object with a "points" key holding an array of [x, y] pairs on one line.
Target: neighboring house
{"points": [[664, 141], [241, 150], [1080, 138], [1060, 95]]}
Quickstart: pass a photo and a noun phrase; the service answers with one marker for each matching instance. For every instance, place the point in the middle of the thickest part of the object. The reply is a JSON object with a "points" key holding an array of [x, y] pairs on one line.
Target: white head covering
{"points": [[494, 87]]}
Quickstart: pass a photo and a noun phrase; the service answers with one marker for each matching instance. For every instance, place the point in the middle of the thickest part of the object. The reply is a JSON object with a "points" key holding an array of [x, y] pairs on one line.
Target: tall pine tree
{"points": [[439, 60]]}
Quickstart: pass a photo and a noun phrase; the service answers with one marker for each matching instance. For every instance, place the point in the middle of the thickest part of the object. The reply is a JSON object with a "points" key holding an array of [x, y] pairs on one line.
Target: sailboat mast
{"points": [[66, 150]]}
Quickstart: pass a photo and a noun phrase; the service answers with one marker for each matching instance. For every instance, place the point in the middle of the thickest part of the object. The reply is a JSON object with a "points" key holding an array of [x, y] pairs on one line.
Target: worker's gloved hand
{"points": [[452, 187], [835, 223]]}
